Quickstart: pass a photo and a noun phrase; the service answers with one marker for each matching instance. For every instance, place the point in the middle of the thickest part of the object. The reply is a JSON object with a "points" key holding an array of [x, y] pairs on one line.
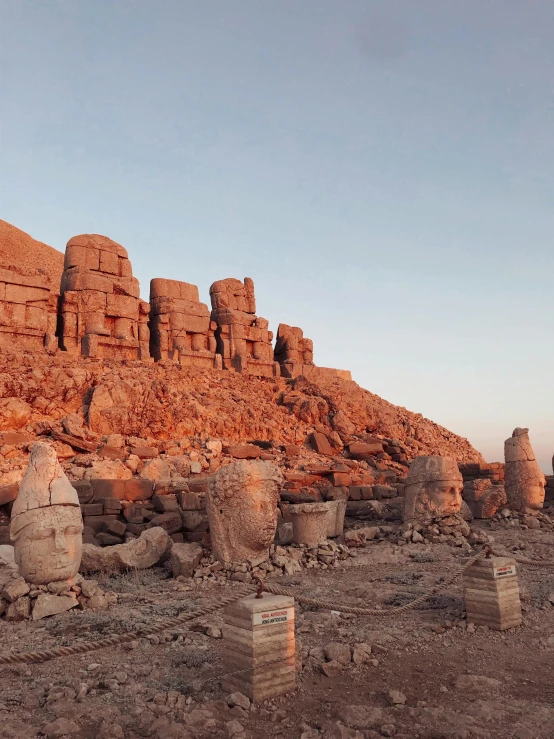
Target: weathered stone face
{"points": [[46, 523], [524, 480], [48, 549], [241, 503], [433, 488]]}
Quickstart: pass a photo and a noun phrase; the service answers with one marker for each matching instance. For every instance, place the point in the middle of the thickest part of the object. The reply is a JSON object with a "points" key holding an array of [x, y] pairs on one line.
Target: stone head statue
{"points": [[433, 488], [241, 503], [46, 525], [524, 480]]}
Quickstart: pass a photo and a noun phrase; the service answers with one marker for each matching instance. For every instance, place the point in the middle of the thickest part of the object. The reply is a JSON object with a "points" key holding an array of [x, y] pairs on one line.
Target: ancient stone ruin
{"points": [[243, 339], [524, 479], [28, 309], [294, 353], [46, 524], [96, 312], [180, 325], [241, 502], [102, 315], [433, 488]]}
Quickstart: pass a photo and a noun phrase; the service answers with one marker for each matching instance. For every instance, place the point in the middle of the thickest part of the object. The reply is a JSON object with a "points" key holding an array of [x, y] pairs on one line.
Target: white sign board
{"points": [[270, 618], [504, 571]]}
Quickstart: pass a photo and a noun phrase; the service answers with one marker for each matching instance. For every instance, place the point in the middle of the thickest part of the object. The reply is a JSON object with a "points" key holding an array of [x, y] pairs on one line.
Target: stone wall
{"points": [[180, 325], [101, 313], [28, 309]]}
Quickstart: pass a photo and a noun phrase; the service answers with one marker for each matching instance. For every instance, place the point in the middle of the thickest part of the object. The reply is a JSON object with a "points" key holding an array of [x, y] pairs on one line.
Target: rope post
{"points": [[491, 593], [259, 647]]}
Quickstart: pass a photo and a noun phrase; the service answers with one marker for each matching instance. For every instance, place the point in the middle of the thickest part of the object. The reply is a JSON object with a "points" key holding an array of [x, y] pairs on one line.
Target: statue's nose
{"points": [[60, 542]]}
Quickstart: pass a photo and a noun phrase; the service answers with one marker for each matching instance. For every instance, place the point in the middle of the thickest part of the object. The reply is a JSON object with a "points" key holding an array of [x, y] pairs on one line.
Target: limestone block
{"points": [[151, 547], [491, 593], [50, 605], [81, 256], [241, 502], [433, 488], [309, 523], [109, 262], [77, 279], [21, 294], [96, 241], [122, 306], [335, 517], [46, 524], [259, 649], [185, 558], [173, 289]]}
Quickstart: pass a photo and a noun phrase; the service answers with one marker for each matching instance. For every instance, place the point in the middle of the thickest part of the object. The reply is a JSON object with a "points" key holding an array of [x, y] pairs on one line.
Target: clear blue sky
{"points": [[384, 172]]}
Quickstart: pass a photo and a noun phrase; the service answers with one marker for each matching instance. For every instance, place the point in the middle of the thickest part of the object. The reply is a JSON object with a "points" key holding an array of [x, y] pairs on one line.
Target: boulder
{"points": [[156, 470], [185, 558], [108, 469], [14, 413], [50, 605]]}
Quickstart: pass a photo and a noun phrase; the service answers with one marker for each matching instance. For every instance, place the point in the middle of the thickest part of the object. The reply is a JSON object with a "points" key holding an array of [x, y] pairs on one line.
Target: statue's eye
{"points": [[44, 534]]}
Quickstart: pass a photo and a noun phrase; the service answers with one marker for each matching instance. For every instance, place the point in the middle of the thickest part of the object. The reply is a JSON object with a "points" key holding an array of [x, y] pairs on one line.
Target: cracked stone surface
{"points": [[46, 525], [524, 480]]}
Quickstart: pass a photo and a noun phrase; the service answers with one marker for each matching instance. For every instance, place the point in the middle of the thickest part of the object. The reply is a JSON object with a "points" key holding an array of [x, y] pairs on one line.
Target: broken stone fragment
{"points": [[47, 604], [185, 558], [151, 547]]}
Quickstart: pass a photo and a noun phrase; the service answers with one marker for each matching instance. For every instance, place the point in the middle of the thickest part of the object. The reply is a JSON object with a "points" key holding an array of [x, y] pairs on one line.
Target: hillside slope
{"points": [[164, 401], [19, 250]]}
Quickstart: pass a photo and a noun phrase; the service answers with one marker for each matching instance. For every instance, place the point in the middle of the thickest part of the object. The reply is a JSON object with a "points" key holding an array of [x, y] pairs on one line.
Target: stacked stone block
{"points": [[294, 353], [116, 511], [28, 310], [243, 339], [259, 653], [491, 593], [180, 325], [102, 315]]}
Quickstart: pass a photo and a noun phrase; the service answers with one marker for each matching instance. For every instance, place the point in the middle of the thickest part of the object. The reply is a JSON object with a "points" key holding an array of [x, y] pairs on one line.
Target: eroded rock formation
{"points": [[241, 502], [138, 554], [433, 488], [524, 480]]}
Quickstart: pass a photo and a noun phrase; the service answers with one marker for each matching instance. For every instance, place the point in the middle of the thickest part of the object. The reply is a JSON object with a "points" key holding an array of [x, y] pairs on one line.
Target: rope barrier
{"points": [[327, 606], [116, 639], [167, 624]]}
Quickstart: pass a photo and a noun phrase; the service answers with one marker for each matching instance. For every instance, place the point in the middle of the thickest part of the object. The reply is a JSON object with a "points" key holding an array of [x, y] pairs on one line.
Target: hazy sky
{"points": [[384, 172]]}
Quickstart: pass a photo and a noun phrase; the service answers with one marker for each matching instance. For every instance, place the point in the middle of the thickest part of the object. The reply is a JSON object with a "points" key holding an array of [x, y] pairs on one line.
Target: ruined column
{"points": [[523, 478], [180, 325], [243, 339], [294, 353]]}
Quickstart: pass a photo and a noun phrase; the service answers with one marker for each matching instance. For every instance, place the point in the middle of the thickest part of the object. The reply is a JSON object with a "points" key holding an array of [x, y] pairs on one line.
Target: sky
{"points": [[383, 171]]}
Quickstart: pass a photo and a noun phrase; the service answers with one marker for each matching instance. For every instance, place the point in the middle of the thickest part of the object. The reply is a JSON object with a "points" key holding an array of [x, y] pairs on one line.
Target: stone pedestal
{"points": [[335, 518], [309, 523], [259, 647], [491, 593]]}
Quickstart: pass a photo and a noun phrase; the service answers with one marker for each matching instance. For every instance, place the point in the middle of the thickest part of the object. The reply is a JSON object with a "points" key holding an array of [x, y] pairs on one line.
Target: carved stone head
{"points": [[46, 525], [524, 480], [433, 488], [241, 503]]}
